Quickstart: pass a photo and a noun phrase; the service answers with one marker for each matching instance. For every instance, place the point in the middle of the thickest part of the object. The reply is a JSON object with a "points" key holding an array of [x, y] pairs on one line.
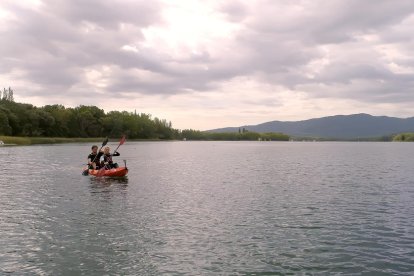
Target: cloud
{"points": [[235, 57]]}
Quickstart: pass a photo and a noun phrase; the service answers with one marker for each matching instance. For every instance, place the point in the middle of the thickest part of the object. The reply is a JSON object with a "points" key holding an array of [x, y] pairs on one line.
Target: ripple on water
{"points": [[210, 209]]}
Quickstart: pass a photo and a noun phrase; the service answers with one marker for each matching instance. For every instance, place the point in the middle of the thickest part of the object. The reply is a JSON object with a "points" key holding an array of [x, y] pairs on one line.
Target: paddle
{"points": [[121, 142], [85, 172], [123, 138]]}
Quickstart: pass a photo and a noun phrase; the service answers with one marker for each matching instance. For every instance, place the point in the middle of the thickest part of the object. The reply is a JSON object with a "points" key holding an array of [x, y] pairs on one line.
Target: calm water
{"points": [[210, 208]]}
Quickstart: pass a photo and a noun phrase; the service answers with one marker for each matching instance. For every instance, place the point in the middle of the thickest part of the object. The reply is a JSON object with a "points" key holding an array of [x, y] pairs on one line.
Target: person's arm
{"points": [[98, 158], [116, 154]]}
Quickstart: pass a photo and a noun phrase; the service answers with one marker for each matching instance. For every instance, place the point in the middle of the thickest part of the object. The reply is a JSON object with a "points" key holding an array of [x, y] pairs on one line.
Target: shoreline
{"points": [[27, 141]]}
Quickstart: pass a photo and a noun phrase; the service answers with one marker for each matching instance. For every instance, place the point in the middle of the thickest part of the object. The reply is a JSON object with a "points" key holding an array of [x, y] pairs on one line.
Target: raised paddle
{"points": [[123, 138], [86, 172], [121, 142]]}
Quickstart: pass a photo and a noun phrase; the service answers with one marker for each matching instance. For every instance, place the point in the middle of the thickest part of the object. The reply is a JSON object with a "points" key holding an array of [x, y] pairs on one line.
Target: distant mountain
{"points": [[335, 127]]}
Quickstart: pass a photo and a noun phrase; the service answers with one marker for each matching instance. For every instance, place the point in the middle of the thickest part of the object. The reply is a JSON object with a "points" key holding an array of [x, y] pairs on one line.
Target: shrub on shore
{"points": [[404, 137]]}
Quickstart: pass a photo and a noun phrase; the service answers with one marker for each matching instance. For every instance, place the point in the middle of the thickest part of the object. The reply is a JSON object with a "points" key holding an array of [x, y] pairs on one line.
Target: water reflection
{"points": [[99, 182]]}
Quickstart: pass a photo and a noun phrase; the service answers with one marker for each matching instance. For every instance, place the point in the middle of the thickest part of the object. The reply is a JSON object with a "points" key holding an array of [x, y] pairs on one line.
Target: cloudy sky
{"points": [[209, 64]]}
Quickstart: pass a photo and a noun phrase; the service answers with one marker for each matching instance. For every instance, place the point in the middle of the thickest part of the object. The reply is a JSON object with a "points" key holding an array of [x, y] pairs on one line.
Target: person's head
{"points": [[106, 150], [94, 148]]}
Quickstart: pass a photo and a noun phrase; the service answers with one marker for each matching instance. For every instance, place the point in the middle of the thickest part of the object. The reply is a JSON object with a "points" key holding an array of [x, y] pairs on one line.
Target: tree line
{"points": [[21, 119], [245, 135]]}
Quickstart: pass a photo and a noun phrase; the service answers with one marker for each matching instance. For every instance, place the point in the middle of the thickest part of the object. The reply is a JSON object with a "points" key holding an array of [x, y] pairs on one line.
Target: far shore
{"points": [[14, 140], [26, 141]]}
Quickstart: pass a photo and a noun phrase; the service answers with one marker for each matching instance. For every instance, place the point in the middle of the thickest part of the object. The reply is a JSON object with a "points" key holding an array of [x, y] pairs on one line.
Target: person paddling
{"points": [[107, 158], [94, 157]]}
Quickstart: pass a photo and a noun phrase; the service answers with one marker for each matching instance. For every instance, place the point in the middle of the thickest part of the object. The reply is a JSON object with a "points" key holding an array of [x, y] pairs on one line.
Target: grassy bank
{"points": [[45, 140], [404, 137]]}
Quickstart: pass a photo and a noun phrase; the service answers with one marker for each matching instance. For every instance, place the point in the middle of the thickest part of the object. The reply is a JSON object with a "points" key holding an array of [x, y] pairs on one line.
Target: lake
{"points": [[210, 208]]}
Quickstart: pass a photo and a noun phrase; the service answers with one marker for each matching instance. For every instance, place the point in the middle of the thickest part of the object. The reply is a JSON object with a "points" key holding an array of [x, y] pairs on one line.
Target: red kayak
{"points": [[115, 172]]}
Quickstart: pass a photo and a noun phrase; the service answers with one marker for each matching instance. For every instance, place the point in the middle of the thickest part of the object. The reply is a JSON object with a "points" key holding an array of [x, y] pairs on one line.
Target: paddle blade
{"points": [[105, 142], [101, 172], [122, 140]]}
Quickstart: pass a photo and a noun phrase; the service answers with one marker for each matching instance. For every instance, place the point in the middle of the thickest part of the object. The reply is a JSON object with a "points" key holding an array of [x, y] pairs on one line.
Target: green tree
{"points": [[7, 95], [61, 117], [5, 128], [81, 121]]}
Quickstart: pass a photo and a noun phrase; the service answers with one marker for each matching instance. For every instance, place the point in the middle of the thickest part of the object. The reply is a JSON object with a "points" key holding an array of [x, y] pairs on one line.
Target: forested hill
{"points": [[18, 119], [335, 127]]}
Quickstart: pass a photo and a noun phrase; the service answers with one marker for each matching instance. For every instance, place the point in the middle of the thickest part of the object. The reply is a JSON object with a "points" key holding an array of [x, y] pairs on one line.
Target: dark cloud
{"points": [[235, 11], [108, 14], [53, 43], [284, 39], [347, 47]]}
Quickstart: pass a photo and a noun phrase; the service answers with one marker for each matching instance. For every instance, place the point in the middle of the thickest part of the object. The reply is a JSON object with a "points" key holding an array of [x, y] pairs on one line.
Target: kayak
{"points": [[115, 172]]}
